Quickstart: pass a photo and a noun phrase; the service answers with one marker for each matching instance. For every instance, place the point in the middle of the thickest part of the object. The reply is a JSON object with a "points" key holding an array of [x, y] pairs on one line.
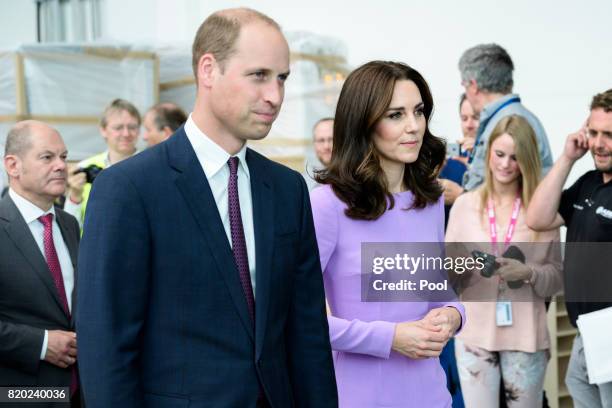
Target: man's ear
{"points": [[12, 164], [167, 131], [474, 86], [103, 132], [207, 69]]}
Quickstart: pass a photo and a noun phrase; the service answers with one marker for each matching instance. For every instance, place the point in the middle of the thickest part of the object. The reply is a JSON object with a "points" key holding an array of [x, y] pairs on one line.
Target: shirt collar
{"points": [[29, 211], [600, 180], [211, 156], [492, 106], [107, 162]]}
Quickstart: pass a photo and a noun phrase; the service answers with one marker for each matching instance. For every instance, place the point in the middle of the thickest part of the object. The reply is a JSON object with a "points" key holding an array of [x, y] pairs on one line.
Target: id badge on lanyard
{"points": [[503, 308], [503, 313]]}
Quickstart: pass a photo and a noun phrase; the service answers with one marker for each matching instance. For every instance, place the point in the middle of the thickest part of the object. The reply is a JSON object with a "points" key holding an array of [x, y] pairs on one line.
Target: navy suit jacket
{"points": [[162, 320]]}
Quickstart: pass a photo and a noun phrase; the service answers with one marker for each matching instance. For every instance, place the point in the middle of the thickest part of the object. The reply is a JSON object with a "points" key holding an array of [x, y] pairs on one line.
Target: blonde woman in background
{"points": [[504, 337]]}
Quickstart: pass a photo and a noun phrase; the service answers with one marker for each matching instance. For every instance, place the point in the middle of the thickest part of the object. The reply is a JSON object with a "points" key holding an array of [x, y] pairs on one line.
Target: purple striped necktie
{"points": [[239, 248], [58, 279]]}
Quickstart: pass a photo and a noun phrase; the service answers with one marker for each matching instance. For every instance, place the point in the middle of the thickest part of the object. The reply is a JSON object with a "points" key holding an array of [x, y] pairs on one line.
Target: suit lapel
{"points": [[263, 224], [193, 185], [71, 240], [19, 232]]}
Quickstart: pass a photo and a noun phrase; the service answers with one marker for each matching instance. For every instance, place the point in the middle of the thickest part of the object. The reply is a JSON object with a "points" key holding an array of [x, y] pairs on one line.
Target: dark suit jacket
{"points": [[162, 320], [29, 301]]}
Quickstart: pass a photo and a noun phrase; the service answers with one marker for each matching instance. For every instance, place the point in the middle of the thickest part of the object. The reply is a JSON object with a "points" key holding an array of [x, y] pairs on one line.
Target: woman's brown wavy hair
{"points": [[354, 172]]}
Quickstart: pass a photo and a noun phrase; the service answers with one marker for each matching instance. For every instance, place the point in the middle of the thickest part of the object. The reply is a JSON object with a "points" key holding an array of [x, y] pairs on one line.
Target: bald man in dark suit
{"points": [[38, 254]]}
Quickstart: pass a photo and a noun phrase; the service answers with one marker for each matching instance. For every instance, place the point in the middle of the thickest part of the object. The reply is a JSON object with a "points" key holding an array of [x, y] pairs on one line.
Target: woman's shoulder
{"points": [[464, 213], [323, 192], [470, 199], [324, 198]]}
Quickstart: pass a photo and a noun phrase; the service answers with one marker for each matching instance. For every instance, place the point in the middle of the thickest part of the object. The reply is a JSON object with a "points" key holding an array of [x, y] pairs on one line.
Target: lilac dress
{"points": [[369, 374]]}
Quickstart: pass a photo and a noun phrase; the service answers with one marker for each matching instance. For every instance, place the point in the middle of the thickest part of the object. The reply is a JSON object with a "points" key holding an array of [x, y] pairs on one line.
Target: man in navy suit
{"points": [[200, 277]]}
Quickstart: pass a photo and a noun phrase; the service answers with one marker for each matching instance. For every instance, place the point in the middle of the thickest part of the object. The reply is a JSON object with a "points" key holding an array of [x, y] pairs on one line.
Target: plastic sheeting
{"points": [[70, 85], [81, 81], [8, 89], [313, 44], [174, 63], [176, 79]]}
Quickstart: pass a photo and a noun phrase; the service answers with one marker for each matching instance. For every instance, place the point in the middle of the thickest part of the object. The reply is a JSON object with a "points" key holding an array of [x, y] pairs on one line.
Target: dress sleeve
{"points": [[373, 338], [325, 215], [356, 336]]}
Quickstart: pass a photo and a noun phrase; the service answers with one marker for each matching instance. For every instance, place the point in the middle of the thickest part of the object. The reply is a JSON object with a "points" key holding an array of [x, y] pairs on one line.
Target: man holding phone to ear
{"points": [[586, 209]]}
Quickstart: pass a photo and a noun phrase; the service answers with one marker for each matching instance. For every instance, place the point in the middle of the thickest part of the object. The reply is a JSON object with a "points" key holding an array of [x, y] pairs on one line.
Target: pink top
{"points": [[468, 222]]}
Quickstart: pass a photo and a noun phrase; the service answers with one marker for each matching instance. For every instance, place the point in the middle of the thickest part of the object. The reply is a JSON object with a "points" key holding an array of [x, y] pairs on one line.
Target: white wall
{"points": [[561, 49], [17, 23]]}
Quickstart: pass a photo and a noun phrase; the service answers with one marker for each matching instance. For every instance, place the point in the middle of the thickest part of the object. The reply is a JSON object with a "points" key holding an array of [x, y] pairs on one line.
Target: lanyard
{"points": [[483, 125], [511, 227]]}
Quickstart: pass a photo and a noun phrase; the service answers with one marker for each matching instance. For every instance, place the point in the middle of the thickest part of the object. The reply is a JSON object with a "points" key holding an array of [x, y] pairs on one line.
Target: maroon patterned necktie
{"points": [[239, 248], [53, 260], [56, 273]]}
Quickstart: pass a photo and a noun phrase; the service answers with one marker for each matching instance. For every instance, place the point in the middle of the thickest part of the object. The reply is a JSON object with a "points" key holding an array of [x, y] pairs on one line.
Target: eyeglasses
{"points": [[130, 128]]}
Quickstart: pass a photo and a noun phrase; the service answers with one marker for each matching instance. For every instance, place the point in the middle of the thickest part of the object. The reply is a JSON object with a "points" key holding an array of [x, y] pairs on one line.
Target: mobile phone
{"points": [[453, 150]]}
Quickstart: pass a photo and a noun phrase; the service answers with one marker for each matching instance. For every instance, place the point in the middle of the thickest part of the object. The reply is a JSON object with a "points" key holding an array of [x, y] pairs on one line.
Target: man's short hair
{"points": [[326, 119], [603, 101], [462, 99], [217, 35], [168, 114], [490, 66], [18, 140], [119, 105]]}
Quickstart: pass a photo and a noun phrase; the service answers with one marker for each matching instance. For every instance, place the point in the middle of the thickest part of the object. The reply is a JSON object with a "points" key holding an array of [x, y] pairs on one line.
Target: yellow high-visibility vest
{"points": [[100, 161]]}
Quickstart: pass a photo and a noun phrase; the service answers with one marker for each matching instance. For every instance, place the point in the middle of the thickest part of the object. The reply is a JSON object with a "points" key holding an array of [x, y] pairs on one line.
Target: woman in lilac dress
{"points": [[381, 187]]}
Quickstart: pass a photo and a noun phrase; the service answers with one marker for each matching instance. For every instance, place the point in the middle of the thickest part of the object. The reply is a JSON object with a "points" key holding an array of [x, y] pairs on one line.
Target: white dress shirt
{"points": [[213, 160], [30, 214]]}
